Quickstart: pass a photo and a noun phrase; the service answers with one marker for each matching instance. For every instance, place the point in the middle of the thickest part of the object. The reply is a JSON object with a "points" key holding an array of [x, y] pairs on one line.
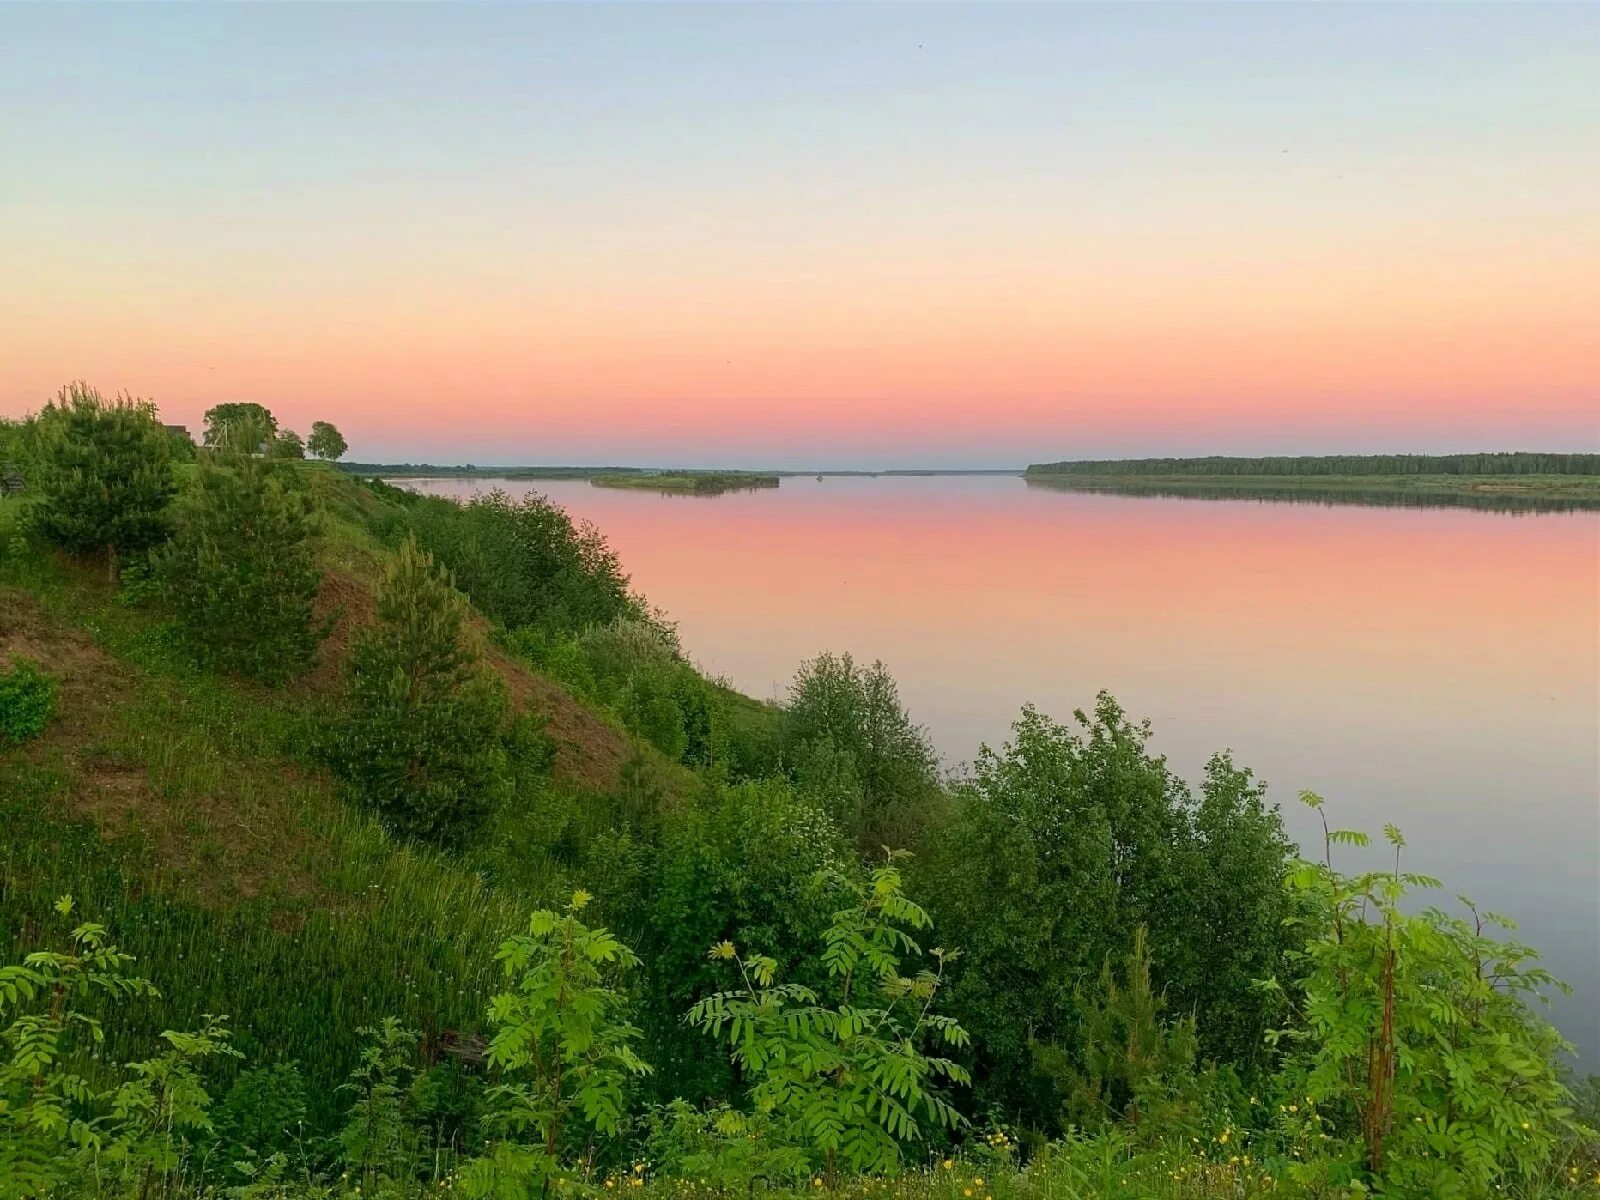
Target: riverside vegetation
{"points": [[361, 843]]}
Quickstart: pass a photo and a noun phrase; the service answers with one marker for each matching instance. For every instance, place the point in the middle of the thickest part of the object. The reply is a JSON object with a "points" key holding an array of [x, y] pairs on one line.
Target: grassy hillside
{"points": [[185, 810], [731, 987]]}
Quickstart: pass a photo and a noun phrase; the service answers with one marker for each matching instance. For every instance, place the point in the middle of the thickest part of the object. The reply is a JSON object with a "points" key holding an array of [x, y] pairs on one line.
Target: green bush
{"points": [[524, 562], [27, 700], [241, 570], [852, 1077], [562, 1047], [884, 782], [1415, 1036], [1067, 840]]}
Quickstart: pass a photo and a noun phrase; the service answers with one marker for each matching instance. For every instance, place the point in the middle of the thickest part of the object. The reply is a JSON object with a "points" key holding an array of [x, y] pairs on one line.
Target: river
{"points": [[1434, 667]]}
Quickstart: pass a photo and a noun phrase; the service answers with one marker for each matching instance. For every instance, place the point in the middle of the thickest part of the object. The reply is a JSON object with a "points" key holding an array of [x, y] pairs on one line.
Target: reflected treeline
{"points": [[1500, 502]]}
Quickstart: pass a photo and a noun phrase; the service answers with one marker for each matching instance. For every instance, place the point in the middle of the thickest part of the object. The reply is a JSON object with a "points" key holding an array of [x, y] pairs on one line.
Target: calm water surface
{"points": [[1435, 668]]}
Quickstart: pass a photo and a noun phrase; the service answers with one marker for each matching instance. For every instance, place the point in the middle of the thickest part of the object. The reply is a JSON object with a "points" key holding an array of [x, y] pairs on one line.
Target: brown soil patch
{"points": [[90, 681], [346, 604], [589, 751], [204, 839]]}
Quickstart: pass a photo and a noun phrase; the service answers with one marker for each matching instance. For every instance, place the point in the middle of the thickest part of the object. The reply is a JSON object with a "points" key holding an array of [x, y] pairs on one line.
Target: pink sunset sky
{"points": [[814, 236]]}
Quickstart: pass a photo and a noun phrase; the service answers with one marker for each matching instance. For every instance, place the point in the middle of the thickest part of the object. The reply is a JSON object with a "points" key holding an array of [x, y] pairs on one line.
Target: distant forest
{"points": [[1504, 463]]}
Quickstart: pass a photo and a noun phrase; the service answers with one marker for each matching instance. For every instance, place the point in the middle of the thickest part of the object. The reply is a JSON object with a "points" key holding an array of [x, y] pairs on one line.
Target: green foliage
{"points": [[260, 1117], [851, 739], [47, 1124], [1065, 843], [847, 1080], [378, 1141], [241, 571], [421, 737], [1134, 1065], [104, 475], [562, 1045], [524, 562], [241, 427], [326, 442], [162, 1108], [722, 1147], [287, 444], [1414, 1033], [752, 863], [27, 700]]}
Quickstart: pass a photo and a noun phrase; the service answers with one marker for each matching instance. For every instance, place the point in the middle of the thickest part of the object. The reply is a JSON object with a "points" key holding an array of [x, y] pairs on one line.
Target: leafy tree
{"points": [[848, 1079], [326, 441], [27, 698], [1064, 843], [104, 471], [563, 1044], [288, 444], [883, 774], [239, 426], [421, 741], [241, 570], [1413, 1031]]}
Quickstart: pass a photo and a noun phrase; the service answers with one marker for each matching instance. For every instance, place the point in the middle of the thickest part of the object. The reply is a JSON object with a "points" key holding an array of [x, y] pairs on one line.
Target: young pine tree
{"points": [[241, 570], [422, 740], [1134, 1064], [104, 470]]}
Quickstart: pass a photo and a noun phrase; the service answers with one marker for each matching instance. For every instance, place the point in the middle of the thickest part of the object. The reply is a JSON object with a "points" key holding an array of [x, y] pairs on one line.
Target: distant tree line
{"points": [[1518, 462]]}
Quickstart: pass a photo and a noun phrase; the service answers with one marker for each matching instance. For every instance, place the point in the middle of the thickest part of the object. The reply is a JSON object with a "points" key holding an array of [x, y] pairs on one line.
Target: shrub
{"points": [[525, 562], [857, 711], [421, 741], [241, 570], [288, 444], [562, 1043], [1064, 842], [1134, 1065], [850, 1080], [104, 470], [1414, 1037], [27, 700]]}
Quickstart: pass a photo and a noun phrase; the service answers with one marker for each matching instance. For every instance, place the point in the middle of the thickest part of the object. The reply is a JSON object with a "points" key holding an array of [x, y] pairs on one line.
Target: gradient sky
{"points": [[824, 235]]}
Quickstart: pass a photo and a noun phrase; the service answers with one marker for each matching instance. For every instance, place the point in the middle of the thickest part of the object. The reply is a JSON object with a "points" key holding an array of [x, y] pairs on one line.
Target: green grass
{"points": [[184, 812]]}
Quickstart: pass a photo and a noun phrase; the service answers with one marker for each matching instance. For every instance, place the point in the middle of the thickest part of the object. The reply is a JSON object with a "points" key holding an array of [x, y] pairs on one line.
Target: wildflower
{"points": [[947, 1163]]}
